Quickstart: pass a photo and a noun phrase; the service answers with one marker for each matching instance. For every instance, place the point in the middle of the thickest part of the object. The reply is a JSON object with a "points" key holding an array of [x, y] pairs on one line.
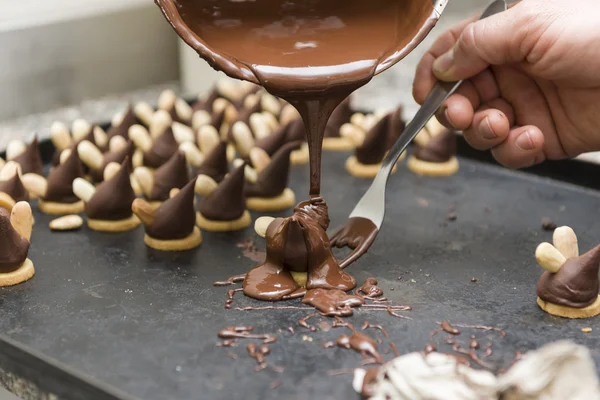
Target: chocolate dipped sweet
{"points": [[59, 197], [15, 236], [374, 145], [206, 104], [298, 257], [270, 192], [170, 227], [12, 189], [97, 161], [224, 208], [215, 165], [108, 205], [332, 140], [29, 159], [122, 128], [569, 287], [162, 149], [434, 152]]}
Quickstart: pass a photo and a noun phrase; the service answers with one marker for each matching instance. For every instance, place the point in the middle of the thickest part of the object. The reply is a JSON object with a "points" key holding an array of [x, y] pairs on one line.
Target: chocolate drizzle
{"points": [[215, 164], [112, 199], [576, 283], [162, 149], [438, 149], [14, 188], [339, 117], [30, 159], [380, 138], [227, 202], [244, 116], [273, 180], [60, 180], [172, 174], [129, 119], [175, 218], [332, 302], [13, 247]]}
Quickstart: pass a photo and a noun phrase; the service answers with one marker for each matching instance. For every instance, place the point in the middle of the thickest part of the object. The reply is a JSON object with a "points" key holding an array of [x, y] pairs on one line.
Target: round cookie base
{"points": [[300, 156], [22, 274], [355, 168], [285, 200], [121, 225], [420, 167], [223, 226], [52, 208], [187, 243], [569, 312], [337, 144]]}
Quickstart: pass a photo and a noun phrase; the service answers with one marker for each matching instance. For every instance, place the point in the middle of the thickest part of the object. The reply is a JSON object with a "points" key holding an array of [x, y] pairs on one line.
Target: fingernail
{"points": [[485, 129], [444, 62], [447, 115], [525, 141]]}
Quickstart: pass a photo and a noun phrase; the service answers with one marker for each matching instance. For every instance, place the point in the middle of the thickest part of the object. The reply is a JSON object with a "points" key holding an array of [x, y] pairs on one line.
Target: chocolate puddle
{"points": [[175, 218]]}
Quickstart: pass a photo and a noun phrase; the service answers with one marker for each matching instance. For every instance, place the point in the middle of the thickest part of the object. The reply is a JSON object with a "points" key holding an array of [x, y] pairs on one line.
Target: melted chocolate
{"points": [[112, 199], [245, 332], [339, 117], [115, 156], [215, 164], [332, 302], [231, 280], [361, 343], [380, 138], [357, 233], [13, 247], [273, 180], [249, 250], [170, 175], [448, 328], [258, 353], [129, 119], [60, 180], [162, 149], [14, 188], [438, 149], [175, 218], [576, 283], [30, 159], [227, 202], [370, 289]]}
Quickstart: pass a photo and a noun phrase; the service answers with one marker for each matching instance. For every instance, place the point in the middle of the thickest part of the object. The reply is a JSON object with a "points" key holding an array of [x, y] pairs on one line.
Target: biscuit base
{"points": [[420, 167], [300, 156], [355, 168], [187, 243], [25, 272], [52, 208], [337, 144], [223, 226], [285, 200], [121, 225], [300, 278], [569, 312]]}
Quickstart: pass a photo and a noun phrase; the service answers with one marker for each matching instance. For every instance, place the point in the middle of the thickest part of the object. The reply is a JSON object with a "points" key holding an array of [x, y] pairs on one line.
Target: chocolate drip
{"points": [[332, 302], [215, 164], [206, 104], [60, 180], [227, 202], [30, 159], [439, 149], [129, 119], [576, 283], [361, 343], [370, 289], [380, 138], [163, 148], [13, 248], [112, 199], [172, 174], [175, 218], [339, 117], [126, 153], [448, 328], [273, 142], [14, 188], [273, 180]]}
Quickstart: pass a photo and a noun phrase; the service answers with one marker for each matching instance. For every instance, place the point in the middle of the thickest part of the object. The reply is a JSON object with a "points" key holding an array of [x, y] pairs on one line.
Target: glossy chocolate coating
{"points": [[175, 218], [129, 119], [380, 138], [215, 164], [162, 149]]}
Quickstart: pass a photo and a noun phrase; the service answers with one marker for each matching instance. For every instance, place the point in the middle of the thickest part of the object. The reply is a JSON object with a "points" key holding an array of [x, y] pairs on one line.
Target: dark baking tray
{"points": [[105, 315]]}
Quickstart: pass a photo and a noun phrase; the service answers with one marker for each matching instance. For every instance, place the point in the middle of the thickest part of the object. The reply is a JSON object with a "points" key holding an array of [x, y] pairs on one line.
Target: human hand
{"points": [[532, 81]]}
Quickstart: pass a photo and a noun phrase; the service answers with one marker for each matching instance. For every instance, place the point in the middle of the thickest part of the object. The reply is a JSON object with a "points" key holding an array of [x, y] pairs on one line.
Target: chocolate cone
{"points": [[114, 156], [227, 202], [129, 119], [244, 116], [296, 131], [162, 149], [215, 164], [89, 137], [112, 199], [30, 160], [380, 138], [207, 104], [438, 149], [270, 144], [217, 119], [273, 180], [175, 218], [172, 174], [60, 180], [14, 188], [339, 117], [13, 248], [576, 283]]}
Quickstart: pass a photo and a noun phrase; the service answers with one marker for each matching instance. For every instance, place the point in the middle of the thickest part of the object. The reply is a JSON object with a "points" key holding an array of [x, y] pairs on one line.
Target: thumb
{"points": [[495, 40]]}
